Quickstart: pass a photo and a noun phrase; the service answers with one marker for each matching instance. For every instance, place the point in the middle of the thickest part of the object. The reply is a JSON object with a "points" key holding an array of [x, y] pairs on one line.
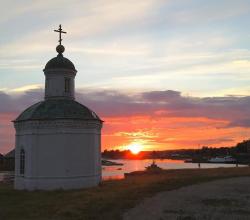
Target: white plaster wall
{"points": [[64, 154], [54, 83]]}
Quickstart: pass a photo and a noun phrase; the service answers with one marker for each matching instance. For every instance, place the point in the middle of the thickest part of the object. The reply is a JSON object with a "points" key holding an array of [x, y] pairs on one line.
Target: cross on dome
{"points": [[60, 48], [60, 31]]}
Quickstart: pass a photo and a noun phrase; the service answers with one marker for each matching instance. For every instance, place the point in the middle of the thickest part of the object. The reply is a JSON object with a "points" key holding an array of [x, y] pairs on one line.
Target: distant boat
{"points": [[111, 163], [153, 167], [226, 159]]}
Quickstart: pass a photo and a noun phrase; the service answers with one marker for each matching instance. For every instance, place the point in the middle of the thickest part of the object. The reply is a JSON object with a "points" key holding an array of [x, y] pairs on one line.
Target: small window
{"points": [[67, 84], [47, 84], [22, 162]]}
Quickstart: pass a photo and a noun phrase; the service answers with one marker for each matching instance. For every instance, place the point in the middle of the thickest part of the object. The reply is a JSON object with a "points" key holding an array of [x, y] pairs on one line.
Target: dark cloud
{"points": [[113, 103], [204, 142], [17, 103], [245, 123], [171, 104], [158, 96], [107, 103]]}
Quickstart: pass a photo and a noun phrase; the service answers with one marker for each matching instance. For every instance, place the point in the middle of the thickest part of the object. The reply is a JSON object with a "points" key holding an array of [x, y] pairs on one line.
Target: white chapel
{"points": [[58, 140]]}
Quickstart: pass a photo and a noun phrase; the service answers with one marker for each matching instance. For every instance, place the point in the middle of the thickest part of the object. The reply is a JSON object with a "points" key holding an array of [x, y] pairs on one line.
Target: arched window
{"points": [[22, 161], [67, 85]]}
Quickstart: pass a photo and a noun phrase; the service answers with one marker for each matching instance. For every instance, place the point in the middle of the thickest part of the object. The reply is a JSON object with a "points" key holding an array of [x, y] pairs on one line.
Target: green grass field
{"points": [[107, 201]]}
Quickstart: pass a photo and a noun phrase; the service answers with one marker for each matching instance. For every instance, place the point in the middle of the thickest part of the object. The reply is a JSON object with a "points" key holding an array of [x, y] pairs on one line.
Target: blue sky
{"points": [[196, 47]]}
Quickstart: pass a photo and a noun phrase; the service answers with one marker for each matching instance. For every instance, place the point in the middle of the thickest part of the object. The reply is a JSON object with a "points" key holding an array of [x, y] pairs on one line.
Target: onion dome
{"points": [[60, 62]]}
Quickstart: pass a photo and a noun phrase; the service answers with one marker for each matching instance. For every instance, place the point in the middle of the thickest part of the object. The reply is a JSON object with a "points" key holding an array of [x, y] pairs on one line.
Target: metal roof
{"points": [[59, 62], [57, 109]]}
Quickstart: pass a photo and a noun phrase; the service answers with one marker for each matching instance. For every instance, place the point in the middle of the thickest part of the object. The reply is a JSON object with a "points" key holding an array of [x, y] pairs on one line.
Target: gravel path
{"points": [[227, 199]]}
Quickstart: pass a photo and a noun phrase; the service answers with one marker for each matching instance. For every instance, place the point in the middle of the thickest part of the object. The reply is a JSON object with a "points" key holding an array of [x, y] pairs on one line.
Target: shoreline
{"points": [[109, 200]]}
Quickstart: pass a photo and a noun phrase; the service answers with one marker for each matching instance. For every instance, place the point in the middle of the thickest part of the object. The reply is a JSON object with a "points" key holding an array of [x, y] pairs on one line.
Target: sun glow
{"points": [[135, 148]]}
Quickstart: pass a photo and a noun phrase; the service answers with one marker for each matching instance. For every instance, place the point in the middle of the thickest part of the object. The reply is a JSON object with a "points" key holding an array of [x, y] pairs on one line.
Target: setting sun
{"points": [[135, 148]]}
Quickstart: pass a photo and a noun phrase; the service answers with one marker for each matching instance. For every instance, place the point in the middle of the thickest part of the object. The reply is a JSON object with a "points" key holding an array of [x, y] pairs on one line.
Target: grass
{"points": [[107, 201]]}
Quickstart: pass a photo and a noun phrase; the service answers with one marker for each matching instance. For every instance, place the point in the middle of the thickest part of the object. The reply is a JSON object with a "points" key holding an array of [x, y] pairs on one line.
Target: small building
{"points": [[1, 160], [58, 140], [10, 154], [248, 147], [9, 160]]}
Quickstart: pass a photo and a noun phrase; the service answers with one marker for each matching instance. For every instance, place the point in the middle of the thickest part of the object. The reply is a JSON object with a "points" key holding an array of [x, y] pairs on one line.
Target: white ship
{"points": [[226, 159]]}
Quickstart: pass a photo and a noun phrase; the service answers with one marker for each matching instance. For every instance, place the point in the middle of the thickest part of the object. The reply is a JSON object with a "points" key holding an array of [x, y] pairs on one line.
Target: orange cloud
{"points": [[169, 133]]}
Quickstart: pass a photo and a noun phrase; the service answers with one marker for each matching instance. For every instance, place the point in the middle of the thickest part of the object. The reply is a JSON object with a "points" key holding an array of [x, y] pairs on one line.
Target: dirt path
{"points": [[227, 199]]}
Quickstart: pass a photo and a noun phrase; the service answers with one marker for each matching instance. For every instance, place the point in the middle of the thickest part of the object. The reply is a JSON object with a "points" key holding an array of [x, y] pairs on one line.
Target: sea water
{"points": [[117, 172]]}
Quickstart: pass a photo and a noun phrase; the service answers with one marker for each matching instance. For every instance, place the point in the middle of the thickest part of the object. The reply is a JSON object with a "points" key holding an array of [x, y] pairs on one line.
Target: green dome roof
{"points": [[57, 109], [59, 62]]}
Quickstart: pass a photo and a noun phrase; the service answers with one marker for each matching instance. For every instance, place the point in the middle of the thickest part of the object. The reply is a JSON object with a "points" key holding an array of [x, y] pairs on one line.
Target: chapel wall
{"points": [[60, 150]]}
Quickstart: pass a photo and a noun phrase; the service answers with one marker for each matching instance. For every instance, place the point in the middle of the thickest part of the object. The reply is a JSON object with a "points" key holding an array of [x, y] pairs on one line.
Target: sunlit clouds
{"points": [[152, 120], [26, 88], [161, 74]]}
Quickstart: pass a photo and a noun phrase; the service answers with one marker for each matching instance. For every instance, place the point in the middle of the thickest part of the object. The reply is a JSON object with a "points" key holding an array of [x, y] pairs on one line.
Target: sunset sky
{"points": [[162, 74]]}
